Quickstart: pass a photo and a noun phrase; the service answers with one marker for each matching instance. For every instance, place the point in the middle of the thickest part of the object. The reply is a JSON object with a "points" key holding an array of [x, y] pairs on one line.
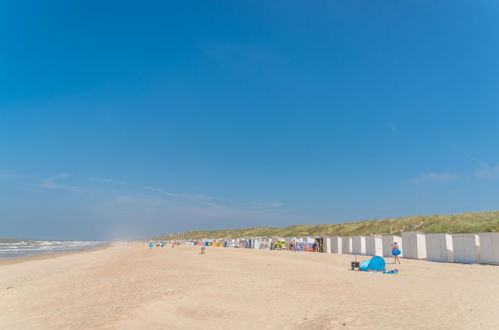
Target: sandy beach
{"points": [[129, 286]]}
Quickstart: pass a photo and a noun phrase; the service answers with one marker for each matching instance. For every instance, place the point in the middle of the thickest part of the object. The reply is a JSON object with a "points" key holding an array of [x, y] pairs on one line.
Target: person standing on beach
{"points": [[395, 252]]}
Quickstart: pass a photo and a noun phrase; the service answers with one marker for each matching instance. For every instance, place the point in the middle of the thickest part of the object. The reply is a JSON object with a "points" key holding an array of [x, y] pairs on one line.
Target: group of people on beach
{"points": [[159, 244], [316, 247]]}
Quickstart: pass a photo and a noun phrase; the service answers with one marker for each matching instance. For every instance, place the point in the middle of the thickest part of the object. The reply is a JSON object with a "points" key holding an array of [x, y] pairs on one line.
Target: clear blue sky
{"points": [[128, 118]]}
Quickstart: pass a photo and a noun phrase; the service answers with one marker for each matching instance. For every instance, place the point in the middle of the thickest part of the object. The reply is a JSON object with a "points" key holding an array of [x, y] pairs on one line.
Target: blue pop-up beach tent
{"points": [[373, 264]]}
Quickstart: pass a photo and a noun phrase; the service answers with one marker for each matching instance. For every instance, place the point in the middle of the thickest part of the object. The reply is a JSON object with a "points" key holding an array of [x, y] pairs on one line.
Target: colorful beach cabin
{"points": [[439, 248]]}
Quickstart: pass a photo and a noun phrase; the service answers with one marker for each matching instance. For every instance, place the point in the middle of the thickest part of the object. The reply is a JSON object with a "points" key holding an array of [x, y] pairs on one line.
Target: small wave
{"points": [[43, 247]]}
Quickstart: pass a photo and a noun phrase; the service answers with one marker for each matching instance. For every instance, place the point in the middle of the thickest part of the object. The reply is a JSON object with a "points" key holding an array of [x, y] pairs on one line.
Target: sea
{"points": [[13, 248]]}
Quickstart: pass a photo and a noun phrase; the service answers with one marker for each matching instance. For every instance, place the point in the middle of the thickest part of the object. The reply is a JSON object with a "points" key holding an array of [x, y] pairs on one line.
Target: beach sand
{"points": [[129, 286]]}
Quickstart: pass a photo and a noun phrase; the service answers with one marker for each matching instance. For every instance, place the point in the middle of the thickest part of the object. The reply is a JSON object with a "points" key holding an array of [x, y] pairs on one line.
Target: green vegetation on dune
{"points": [[455, 223]]}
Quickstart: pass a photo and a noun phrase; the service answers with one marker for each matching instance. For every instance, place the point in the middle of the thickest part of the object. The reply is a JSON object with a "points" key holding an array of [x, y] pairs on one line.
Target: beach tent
{"points": [[414, 245], [347, 245], [374, 264], [336, 245], [388, 241], [359, 245], [466, 248], [439, 247], [374, 246], [278, 244], [489, 248]]}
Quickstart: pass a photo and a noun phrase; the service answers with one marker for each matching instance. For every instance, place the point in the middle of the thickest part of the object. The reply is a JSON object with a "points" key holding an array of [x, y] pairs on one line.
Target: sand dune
{"points": [[129, 286]]}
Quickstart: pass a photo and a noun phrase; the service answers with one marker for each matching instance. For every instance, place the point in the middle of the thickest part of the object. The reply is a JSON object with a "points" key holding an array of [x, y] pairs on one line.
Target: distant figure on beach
{"points": [[292, 245], [395, 252], [317, 246]]}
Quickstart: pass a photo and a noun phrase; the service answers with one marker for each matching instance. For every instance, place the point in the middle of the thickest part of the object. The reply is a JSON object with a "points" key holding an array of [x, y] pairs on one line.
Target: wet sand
{"points": [[129, 286]]}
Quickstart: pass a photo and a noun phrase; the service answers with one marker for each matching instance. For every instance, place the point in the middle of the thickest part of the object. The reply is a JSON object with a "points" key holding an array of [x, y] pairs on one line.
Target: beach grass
{"points": [[473, 222]]}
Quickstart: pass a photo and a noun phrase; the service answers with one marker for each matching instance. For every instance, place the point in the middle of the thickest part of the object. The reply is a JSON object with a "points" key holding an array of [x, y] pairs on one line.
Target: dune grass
{"points": [[474, 222]]}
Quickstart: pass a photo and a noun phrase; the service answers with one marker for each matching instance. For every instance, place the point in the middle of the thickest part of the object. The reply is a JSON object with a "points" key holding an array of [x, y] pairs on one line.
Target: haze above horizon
{"points": [[130, 119]]}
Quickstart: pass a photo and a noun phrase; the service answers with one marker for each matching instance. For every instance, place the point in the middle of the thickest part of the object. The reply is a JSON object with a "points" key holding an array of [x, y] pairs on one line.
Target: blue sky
{"points": [[132, 118]]}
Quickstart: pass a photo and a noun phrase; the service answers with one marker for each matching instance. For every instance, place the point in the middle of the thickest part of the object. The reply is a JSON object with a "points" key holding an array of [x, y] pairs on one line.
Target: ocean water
{"points": [[11, 248]]}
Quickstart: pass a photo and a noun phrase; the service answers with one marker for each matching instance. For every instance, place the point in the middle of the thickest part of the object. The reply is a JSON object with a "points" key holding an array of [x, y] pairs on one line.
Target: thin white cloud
{"points": [[486, 170], [121, 204], [478, 161], [192, 197], [161, 191], [54, 183], [10, 175], [490, 172], [265, 205], [102, 180], [435, 177], [204, 207]]}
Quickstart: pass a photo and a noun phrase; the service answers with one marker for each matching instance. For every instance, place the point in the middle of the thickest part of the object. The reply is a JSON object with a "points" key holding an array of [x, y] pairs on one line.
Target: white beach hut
{"points": [[336, 244], [414, 245], [359, 245], [256, 243], [328, 245], [346, 242], [439, 247], [250, 242], [388, 241], [323, 243], [489, 248], [466, 248], [262, 243], [374, 246]]}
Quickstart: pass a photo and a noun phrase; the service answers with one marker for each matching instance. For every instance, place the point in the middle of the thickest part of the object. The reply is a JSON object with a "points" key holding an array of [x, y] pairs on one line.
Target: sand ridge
{"points": [[130, 286]]}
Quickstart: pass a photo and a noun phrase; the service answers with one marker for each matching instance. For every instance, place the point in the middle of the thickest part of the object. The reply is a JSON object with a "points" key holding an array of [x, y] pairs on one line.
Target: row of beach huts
{"points": [[461, 248]]}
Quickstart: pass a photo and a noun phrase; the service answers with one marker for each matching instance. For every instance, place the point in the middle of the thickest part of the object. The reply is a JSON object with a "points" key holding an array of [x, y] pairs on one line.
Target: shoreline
{"points": [[48, 255]]}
